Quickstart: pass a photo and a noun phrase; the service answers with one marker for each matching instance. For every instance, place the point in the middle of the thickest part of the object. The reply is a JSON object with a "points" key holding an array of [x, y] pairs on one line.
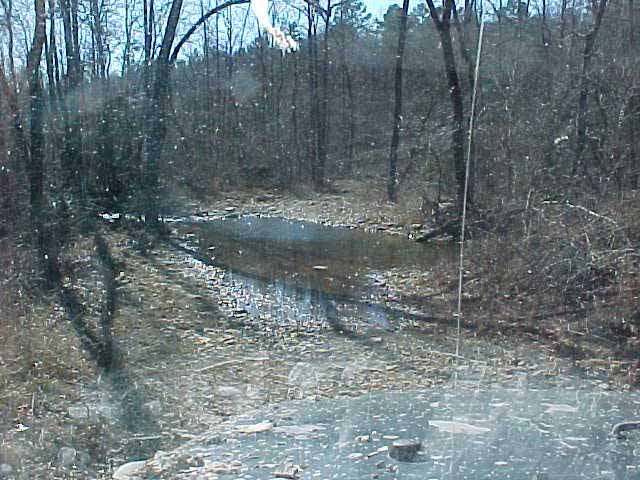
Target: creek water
{"points": [[302, 273]]}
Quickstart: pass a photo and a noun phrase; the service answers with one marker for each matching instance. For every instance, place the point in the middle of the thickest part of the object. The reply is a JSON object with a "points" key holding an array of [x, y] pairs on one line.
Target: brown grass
{"points": [[565, 268]]}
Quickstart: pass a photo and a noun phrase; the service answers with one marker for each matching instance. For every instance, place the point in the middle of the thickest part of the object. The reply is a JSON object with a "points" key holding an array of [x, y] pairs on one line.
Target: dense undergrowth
{"points": [[564, 267]]}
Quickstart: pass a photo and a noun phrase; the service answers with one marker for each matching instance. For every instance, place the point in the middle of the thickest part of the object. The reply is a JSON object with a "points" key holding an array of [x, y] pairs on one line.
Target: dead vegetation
{"points": [[565, 269]]}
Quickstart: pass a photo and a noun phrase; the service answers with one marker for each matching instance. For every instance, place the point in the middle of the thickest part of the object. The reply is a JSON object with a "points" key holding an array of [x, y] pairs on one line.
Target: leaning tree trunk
{"points": [[443, 25], [157, 81], [158, 89], [392, 181]]}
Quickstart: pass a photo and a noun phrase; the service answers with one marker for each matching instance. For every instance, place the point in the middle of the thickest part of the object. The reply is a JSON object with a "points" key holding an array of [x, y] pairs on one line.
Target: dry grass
{"points": [[566, 268], [41, 365]]}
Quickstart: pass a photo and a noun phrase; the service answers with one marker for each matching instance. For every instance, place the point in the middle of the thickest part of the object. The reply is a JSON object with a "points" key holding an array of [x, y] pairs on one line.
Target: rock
{"points": [[228, 391], [67, 456], [560, 408], [289, 471], [5, 470], [154, 407], [378, 451], [223, 468], [416, 226], [129, 471], [457, 427], [79, 411], [404, 450], [161, 460], [298, 430], [257, 428], [303, 376]]}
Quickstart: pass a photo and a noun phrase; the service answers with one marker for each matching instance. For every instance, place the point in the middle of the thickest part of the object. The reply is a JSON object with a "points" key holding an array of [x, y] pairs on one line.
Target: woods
{"points": [[349, 61], [170, 170]]}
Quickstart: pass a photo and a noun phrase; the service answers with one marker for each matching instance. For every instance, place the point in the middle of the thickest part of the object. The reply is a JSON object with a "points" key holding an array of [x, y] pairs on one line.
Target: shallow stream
{"points": [[303, 273]]}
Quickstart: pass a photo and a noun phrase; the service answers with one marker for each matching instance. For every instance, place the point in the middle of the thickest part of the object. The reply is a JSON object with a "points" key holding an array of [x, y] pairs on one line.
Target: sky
{"points": [[378, 7]]}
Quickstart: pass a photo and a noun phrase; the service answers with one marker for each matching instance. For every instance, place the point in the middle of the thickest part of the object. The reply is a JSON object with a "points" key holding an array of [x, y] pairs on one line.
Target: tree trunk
{"points": [[158, 91], [397, 112], [8, 15], [323, 124], [73, 163], [443, 25], [96, 14], [581, 118], [313, 97]]}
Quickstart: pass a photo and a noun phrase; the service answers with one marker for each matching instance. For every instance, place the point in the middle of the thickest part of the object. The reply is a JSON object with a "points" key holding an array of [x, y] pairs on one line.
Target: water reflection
{"points": [[302, 275]]}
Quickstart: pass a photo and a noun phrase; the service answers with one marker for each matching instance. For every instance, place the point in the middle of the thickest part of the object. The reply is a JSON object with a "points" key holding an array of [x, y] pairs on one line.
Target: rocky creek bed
{"points": [[200, 346]]}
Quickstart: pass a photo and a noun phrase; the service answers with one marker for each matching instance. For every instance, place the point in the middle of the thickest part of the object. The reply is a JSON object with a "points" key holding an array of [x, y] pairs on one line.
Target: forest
{"points": [[494, 146]]}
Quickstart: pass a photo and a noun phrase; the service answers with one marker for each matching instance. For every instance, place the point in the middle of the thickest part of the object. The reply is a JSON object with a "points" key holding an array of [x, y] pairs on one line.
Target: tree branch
{"points": [[170, 30], [203, 19]]}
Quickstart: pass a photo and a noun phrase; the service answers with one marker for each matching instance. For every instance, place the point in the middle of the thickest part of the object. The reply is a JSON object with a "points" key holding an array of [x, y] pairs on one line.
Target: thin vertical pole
{"points": [[466, 179]]}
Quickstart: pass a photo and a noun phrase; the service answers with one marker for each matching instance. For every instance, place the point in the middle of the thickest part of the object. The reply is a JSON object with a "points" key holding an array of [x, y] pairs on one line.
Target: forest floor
{"points": [[189, 358]]}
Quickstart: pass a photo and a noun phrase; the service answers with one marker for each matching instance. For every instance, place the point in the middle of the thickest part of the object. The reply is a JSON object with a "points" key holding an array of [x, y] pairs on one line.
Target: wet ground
{"points": [[270, 316]]}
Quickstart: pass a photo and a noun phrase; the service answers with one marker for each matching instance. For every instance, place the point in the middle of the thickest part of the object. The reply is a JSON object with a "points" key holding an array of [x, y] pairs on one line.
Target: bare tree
{"points": [[598, 8], [442, 22], [98, 35], [7, 5], [397, 111], [31, 146]]}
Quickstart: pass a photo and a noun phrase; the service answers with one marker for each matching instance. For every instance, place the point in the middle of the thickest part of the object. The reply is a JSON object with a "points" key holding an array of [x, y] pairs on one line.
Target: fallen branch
{"points": [[218, 365], [592, 213]]}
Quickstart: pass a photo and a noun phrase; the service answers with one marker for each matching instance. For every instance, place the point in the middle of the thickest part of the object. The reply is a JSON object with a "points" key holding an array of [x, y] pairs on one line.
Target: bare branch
{"points": [[201, 21]]}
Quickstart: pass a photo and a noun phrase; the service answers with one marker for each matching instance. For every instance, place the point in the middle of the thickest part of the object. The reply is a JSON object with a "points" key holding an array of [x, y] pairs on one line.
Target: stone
{"points": [[5, 470], [228, 391], [129, 471], [256, 428], [154, 407], [404, 449], [298, 430], [289, 471], [458, 427], [79, 411], [67, 456]]}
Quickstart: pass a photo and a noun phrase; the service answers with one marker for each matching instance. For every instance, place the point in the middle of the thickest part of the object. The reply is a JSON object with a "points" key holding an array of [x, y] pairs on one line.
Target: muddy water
{"points": [[303, 273], [333, 259]]}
